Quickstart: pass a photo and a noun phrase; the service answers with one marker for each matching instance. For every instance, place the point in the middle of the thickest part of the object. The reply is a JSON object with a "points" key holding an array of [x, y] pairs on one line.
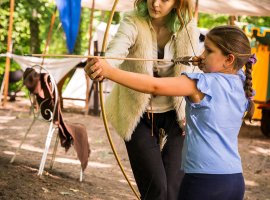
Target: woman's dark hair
{"points": [[232, 40], [179, 16]]}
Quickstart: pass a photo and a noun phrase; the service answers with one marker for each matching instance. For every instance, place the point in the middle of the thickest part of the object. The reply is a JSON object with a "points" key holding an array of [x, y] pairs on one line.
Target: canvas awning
{"points": [[230, 7], [236, 7], [57, 67]]}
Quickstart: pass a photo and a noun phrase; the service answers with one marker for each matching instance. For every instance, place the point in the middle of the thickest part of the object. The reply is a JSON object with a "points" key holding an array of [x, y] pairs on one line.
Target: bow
{"points": [[102, 101], [187, 59]]}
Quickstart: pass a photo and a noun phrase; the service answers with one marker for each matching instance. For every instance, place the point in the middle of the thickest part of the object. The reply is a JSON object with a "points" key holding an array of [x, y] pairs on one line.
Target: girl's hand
{"points": [[96, 69], [197, 61]]}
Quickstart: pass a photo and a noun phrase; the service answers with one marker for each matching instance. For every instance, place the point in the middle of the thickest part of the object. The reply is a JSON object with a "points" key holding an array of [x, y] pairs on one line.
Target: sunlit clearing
{"points": [[67, 161], [8, 152], [253, 123], [125, 181], [260, 150], [5, 119], [11, 127], [26, 147], [77, 162], [251, 183], [99, 165], [60, 160]]}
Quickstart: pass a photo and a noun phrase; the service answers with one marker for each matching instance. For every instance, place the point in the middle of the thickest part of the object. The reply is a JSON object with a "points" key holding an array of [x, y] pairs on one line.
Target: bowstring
{"points": [[185, 25]]}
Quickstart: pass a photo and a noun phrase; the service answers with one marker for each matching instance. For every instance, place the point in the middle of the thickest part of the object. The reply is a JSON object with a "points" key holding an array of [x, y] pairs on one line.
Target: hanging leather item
{"points": [[40, 85]]}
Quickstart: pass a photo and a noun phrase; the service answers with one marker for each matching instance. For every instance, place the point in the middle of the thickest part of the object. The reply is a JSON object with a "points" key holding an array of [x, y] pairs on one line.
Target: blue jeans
{"points": [[212, 187]]}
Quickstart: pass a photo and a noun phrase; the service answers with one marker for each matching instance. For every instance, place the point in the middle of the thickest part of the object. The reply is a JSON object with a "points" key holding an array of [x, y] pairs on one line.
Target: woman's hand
{"points": [[96, 69]]}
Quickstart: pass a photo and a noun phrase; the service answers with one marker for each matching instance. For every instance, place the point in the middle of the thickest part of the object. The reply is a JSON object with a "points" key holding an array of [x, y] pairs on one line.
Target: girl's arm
{"points": [[169, 86]]}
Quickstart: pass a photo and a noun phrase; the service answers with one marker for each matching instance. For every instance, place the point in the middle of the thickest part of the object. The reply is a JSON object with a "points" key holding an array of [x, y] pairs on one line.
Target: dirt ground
{"points": [[103, 179]]}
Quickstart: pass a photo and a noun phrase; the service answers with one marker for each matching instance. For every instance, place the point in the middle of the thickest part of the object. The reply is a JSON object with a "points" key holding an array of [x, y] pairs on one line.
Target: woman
{"points": [[150, 124]]}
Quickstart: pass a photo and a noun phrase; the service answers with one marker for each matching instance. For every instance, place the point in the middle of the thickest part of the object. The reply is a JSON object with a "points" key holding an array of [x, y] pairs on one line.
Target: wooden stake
{"points": [[196, 11], [48, 40], [9, 50]]}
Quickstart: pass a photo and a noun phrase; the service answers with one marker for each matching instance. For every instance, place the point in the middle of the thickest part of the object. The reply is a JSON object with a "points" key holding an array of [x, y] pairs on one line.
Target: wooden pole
{"points": [[9, 50], [90, 32], [48, 40], [89, 53], [232, 20], [196, 11]]}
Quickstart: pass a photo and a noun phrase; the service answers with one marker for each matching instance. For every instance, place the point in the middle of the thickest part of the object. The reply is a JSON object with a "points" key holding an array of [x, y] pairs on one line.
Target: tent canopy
{"points": [[236, 7], [230, 7]]}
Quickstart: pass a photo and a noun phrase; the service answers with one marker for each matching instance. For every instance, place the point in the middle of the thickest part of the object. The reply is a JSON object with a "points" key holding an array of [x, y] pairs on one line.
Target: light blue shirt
{"points": [[211, 143]]}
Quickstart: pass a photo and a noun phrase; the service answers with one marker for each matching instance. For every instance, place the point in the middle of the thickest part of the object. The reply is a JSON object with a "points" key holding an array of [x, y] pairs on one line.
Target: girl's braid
{"points": [[249, 90]]}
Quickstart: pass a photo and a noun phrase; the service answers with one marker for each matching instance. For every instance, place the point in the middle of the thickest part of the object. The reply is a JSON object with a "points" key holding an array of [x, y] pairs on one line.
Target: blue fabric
{"points": [[70, 13], [211, 143]]}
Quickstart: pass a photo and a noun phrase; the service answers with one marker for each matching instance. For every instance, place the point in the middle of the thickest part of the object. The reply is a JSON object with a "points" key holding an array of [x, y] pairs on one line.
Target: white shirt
{"points": [[160, 104]]}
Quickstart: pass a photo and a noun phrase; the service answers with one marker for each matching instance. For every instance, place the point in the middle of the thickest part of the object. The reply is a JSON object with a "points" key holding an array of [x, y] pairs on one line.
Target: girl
{"points": [[156, 29], [216, 102]]}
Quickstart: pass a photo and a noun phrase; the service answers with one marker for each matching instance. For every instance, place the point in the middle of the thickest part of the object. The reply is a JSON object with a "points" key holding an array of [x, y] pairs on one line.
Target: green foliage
{"points": [[99, 16], [104, 16], [258, 21], [209, 20], [24, 11]]}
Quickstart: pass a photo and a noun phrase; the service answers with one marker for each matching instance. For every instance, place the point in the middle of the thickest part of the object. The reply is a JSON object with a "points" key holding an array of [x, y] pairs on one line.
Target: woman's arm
{"points": [[170, 86], [123, 40]]}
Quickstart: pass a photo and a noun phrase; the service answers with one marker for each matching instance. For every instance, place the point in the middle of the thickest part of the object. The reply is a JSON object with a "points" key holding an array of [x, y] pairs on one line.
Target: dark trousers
{"points": [[157, 173], [212, 187]]}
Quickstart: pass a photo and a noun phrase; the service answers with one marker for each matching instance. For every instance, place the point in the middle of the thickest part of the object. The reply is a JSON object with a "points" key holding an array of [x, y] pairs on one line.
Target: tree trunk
{"points": [[78, 44], [34, 33]]}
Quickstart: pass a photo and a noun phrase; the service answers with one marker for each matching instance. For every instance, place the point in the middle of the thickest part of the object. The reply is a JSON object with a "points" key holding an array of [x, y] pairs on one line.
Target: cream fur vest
{"points": [[124, 107]]}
